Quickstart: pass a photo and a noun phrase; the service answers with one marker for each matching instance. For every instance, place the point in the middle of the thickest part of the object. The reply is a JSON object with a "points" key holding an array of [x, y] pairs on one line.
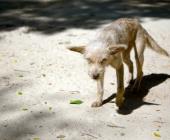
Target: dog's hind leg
{"points": [[139, 48]]}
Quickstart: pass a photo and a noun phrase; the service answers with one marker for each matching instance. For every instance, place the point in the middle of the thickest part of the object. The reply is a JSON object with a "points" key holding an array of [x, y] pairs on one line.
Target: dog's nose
{"points": [[95, 76]]}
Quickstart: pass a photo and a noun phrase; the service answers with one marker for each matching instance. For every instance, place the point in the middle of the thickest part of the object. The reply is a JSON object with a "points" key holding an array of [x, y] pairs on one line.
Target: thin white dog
{"points": [[112, 46]]}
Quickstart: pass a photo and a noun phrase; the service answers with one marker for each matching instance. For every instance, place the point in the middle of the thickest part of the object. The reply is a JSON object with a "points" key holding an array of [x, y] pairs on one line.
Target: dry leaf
{"points": [[36, 138], [24, 109], [157, 134], [61, 136]]}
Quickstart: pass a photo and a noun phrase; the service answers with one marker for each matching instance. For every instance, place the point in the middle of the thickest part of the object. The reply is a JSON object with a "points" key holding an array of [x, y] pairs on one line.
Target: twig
{"points": [[64, 91], [21, 70], [111, 125], [159, 121], [89, 135]]}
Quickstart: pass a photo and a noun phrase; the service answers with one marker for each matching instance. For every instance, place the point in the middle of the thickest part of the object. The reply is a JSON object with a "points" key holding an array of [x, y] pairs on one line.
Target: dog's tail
{"points": [[151, 43]]}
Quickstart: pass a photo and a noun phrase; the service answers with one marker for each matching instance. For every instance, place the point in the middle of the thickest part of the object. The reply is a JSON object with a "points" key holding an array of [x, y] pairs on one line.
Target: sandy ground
{"points": [[39, 77]]}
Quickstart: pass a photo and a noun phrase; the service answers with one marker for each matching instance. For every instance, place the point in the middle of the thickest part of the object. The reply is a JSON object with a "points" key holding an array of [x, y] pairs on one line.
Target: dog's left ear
{"points": [[117, 48], [79, 49]]}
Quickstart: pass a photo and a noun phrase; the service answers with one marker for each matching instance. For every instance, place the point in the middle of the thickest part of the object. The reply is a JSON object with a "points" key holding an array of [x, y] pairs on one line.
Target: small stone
{"points": [[122, 134]]}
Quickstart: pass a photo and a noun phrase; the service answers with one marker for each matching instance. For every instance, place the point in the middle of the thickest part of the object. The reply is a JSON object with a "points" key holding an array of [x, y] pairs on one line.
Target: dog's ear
{"points": [[79, 49], [117, 48]]}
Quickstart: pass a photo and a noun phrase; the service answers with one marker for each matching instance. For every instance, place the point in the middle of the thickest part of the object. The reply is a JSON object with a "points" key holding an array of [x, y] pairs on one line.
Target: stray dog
{"points": [[112, 46]]}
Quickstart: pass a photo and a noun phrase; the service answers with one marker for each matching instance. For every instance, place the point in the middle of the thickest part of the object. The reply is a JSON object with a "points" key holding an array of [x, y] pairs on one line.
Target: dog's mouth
{"points": [[95, 78]]}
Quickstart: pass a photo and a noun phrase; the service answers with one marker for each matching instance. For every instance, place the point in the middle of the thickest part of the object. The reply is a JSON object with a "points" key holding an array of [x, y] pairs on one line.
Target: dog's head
{"points": [[98, 56]]}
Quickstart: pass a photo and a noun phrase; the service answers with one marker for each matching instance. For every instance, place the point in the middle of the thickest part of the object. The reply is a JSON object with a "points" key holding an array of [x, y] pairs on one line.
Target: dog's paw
{"points": [[96, 104], [119, 101]]}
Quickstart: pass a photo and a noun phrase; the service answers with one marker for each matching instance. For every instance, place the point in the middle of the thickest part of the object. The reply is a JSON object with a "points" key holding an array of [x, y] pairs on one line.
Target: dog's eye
{"points": [[103, 61], [89, 60]]}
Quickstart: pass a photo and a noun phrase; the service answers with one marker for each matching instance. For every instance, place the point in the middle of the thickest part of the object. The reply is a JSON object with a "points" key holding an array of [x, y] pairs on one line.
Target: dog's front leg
{"points": [[100, 91], [120, 86]]}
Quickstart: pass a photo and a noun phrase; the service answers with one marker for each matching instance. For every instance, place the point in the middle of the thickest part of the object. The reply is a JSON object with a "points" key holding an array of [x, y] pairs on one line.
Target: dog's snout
{"points": [[95, 76]]}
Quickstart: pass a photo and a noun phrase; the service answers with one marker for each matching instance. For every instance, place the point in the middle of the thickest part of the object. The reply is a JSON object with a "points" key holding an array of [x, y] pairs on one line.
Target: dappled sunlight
{"points": [[39, 76], [56, 16]]}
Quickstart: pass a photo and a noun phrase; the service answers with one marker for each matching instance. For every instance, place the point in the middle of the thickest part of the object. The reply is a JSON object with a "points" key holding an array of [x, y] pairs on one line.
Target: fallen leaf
{"points": [[19, 93], [157, 134], [36, 138], [24, 109], [61, 136], [20, 76], [76, 102]]}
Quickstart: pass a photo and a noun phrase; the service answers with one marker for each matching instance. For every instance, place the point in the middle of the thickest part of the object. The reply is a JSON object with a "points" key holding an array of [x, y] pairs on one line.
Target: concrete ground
{"points": [[39, 77]]}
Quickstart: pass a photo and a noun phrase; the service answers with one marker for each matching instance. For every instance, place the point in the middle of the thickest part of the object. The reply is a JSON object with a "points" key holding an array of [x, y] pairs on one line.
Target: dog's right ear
{"points": [[79, 49], [117, 48]]}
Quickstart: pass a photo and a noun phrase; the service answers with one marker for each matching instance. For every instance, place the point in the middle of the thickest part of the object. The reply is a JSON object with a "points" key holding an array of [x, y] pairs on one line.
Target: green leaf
{"points": [[76, 102], [157, 134], [19, 93], [36, 138], [25, 109]]}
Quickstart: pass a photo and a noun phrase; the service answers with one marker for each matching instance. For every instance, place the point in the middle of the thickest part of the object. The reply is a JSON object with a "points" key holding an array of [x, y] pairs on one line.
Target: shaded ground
{"points": [[58, 15]]}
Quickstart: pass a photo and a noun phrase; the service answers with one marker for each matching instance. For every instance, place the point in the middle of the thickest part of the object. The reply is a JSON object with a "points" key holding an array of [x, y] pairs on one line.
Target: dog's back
{"points": [[128, 31], [121, 31]]}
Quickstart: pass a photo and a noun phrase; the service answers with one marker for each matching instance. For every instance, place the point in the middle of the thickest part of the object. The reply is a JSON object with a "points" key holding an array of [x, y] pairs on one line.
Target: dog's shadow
{"points": [[134, 99]]}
